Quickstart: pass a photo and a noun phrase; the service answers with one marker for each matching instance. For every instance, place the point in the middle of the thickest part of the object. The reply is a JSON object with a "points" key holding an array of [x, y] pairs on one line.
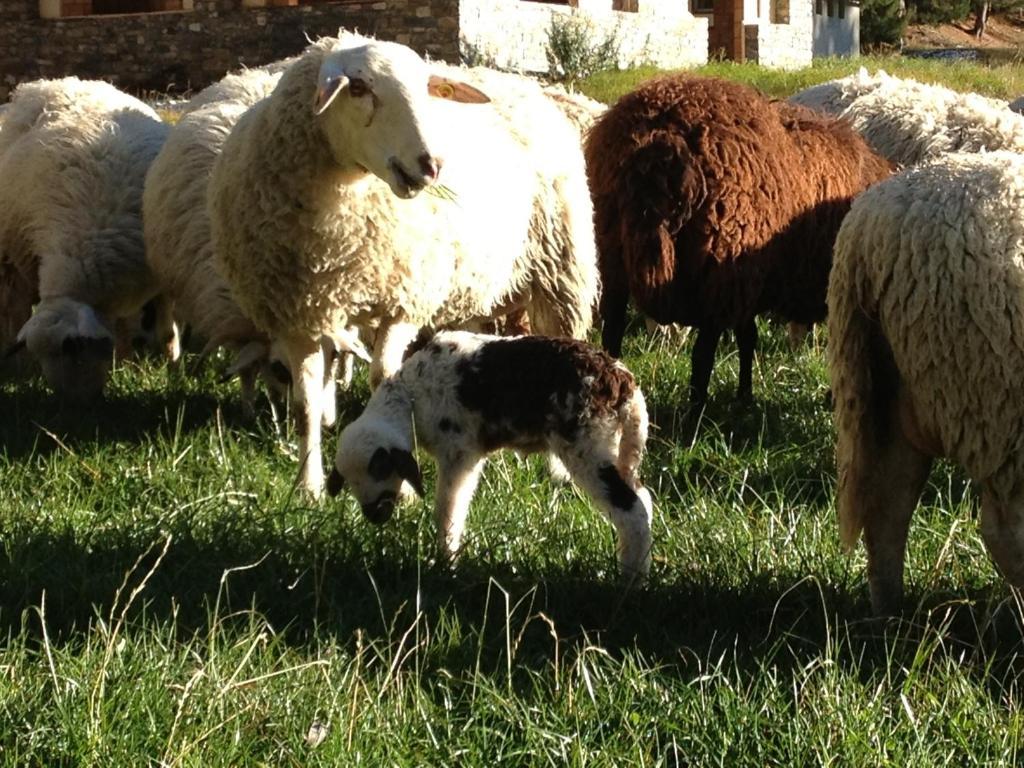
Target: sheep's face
{"points": [[374, 468], [375, 102], [72, 346]]}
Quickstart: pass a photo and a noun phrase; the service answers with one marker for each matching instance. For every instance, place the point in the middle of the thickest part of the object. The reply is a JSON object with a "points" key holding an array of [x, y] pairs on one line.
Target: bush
{"points": [[572, 55], [939, 11], [882, 23]]}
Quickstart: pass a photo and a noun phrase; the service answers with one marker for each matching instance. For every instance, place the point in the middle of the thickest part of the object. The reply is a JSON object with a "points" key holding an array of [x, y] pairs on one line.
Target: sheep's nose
{"points": [[431, 166]]}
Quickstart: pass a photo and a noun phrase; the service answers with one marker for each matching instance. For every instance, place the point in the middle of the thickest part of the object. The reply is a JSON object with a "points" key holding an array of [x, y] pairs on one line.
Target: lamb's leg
{"points": [[702, 360], [392, 341], [633, 438], [629, 510], [456, 484], [746, 342], [307, 363], [888, 483], [1002, 527]]}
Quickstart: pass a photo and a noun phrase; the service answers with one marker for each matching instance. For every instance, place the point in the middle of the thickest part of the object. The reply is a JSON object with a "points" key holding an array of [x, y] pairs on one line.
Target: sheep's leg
{"points": [[330, 386], [392, 341], [306, 359], [613, 320], [1002, 527], [166, 330], [247, 381], [746, 342], [887, 482], [702, 360], [456, 484], [628, 509]]}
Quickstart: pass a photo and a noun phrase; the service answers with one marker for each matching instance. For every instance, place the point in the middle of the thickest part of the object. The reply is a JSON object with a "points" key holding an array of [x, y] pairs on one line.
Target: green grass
{"points": [[167, 598], [1005, 81]]}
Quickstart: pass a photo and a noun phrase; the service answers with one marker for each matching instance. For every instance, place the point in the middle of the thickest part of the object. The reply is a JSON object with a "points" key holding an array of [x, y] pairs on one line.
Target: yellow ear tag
{"points": [[445, 91]]}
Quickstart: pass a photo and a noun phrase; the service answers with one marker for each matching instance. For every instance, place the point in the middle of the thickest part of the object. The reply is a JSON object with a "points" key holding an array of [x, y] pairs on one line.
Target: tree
{"points": [[981, 8]]}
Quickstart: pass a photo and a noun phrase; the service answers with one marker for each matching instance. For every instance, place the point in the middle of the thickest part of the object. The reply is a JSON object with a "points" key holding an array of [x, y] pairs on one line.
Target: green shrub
{"points": [[939, 11], [574, 53], [882, 23]]}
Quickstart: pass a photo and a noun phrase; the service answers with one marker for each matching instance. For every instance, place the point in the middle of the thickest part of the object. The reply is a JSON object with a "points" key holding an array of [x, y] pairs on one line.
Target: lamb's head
{"points": [[72, 345], [374, 460], [374, 101]]}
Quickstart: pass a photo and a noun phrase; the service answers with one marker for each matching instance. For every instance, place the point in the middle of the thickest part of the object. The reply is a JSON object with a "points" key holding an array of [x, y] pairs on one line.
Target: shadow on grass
{"points": [[310, 592], [35, 421]]}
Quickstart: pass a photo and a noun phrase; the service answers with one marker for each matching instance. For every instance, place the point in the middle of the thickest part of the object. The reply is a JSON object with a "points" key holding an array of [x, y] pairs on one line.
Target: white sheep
{"points": [[926, 354], [462, 396], [909, 122], [73, 157], [318, 222], [180, 251], [247, 86]]}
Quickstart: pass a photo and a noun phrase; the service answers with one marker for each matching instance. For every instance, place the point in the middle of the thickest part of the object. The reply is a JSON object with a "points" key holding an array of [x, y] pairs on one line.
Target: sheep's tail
{"points": [[634, 438], [662, 187], [858, 407]]}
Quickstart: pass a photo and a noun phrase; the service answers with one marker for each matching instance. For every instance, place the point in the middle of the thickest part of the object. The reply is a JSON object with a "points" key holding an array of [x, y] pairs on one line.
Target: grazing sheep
{"points": [[466, 395], [73, 156], [713, 205], [318, 222], [909, 122], [926, 354]]}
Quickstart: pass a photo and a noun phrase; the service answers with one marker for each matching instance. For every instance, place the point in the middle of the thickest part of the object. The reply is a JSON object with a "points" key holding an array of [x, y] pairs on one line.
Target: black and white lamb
{"points": [[464, 395]]}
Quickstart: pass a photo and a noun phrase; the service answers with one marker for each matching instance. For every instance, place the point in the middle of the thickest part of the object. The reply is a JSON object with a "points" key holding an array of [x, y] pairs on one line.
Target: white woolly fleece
{"points": [[909, 122], [73, 156], [307, 250], [934, 259]]}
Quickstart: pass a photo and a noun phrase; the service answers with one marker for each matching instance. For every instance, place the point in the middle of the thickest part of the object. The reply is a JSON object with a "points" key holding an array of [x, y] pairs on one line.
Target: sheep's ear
{"points": [[14, 349], [348, 341], [335, 482], [453, 90], [331, 80], [251, 354], [408, 469]]}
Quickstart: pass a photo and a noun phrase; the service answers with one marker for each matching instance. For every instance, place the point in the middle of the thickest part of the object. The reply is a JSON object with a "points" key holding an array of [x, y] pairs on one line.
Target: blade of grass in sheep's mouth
{"points": [[443, 192]]}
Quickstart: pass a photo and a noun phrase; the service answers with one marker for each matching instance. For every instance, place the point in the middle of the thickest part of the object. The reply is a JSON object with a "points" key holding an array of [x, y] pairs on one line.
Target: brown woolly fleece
{"points": [[714, 204]]}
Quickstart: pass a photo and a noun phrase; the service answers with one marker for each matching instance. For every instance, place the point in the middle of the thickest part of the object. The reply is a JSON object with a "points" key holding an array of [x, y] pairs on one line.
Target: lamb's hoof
{"points": [[556, 469]]}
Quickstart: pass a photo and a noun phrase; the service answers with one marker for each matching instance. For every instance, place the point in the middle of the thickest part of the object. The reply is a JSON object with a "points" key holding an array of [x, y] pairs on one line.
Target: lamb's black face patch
{"points": [[618, 492], [381, 466], [529, 387]]}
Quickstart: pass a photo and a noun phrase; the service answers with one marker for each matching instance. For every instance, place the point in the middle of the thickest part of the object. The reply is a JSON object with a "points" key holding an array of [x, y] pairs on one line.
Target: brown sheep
{"points": [[712, 205]]}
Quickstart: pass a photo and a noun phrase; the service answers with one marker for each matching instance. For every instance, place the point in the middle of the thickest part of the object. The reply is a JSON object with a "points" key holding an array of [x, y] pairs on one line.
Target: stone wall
{"points": [[513, 34], [787, 45], [176, 51]]}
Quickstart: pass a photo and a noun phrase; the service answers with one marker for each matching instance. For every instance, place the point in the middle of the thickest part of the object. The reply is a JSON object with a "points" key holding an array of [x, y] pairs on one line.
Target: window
{"points": [[780, 11], [702, 6]]}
